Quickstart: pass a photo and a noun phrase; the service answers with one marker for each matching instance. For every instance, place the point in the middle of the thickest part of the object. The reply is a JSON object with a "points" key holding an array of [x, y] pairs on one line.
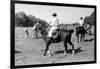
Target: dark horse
{"points": [[63, 35], [80, 33]]}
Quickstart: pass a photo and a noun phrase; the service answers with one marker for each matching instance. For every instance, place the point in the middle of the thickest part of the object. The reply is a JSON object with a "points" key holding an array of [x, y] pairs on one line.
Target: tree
{"points": [[22, 20], [43, 22], [90, 19], [33, 19]]}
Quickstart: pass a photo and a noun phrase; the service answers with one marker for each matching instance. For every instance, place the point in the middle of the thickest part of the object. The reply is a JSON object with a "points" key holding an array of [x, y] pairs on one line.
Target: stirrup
{"points": [[55, 35]]}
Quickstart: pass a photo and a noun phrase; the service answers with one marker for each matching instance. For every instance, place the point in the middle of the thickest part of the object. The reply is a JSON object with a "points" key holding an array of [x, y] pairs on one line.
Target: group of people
{"points": [[54, 25]]}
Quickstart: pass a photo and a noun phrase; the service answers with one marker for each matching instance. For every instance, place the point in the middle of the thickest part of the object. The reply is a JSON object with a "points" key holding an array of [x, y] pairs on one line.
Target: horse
{"points": [[35, 30], [80, 33], [63, 36]]}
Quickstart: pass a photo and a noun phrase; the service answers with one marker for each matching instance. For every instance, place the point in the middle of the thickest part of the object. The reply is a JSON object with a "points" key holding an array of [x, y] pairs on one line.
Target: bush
{"points": [[90, 19], [22, 20]]}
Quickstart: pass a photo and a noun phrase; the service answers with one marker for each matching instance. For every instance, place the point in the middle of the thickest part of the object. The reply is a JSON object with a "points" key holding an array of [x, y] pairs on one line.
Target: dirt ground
{"points": [[30, 51]]}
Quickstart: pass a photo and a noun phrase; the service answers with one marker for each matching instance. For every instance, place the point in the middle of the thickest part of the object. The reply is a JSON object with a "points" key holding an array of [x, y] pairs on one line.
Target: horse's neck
{"points": [[43, 31]]}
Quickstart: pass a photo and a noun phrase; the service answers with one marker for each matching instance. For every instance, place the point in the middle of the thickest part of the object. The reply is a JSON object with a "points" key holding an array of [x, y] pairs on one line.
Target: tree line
{"points": [[23, 20], [90, 19]]}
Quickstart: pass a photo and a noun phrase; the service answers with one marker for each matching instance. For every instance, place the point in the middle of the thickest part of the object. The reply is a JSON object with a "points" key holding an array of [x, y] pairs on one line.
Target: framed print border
{"points": [[12, 34]]}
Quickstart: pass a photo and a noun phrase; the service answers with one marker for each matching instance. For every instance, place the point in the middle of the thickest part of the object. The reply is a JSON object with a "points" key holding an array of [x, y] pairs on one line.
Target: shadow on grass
{"points": [[16, 51], [88, 40], [78, 50]]}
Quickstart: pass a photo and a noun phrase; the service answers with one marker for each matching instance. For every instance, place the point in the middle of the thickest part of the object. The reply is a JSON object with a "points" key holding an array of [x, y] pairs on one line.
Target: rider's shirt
{"points": [[81, 22], [55, 22]]}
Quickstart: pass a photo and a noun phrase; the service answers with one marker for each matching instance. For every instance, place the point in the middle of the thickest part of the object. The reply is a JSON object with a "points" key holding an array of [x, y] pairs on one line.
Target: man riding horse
{"points": [[62, 35], [81, 21], [80, 30], [54, 26]]}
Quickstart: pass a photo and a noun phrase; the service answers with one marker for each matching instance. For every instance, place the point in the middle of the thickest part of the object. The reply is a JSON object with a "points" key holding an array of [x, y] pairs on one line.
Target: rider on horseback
{"points": [[54, 25], [81, 22]]}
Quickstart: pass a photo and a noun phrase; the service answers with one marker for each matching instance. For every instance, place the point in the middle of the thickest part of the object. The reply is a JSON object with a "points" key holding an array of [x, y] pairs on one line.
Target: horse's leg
{"points": [[25, 36], [73, 51], [65, 45], [37, 35], [34, 35], [90, 29], [81, 37], [78, 38], [47, 49], [77, 35]]}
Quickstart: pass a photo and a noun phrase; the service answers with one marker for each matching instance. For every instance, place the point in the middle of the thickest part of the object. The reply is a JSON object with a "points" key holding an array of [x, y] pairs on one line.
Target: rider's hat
{"points": [[81, 18], [54, 14]]}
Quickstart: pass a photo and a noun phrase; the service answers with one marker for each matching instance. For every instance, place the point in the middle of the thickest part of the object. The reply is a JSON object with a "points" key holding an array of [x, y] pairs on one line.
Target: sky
{"points": [[65, 14]]}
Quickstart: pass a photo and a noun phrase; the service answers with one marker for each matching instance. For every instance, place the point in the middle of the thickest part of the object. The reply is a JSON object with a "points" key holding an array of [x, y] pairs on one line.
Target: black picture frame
{"points": [[12, 34]]}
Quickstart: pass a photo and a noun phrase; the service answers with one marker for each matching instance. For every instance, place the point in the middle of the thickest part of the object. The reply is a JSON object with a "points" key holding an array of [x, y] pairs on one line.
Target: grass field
{"points": [[30, 51]]}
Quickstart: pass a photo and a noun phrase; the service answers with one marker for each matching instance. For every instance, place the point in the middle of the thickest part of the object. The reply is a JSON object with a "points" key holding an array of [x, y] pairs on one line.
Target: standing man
{"points": [[26, 33], [54, 24]]}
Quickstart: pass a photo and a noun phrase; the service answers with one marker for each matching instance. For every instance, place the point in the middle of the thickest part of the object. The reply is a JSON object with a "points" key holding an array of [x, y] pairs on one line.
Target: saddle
{"points": [[55, 33]]}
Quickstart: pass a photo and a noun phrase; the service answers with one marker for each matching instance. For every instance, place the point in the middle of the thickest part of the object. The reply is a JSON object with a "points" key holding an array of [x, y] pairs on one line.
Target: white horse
{"points": [[35, 32]]}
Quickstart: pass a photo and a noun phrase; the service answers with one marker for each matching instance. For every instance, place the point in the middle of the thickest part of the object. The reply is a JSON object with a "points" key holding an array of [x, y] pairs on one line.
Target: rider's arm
{"points": [[57, 22], [53, 22]]}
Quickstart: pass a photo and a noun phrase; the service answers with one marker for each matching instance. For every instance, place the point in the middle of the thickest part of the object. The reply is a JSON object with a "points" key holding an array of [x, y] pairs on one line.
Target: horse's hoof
{"points": [[44, 54], [65, 53], [73, 53], [49, 55]]}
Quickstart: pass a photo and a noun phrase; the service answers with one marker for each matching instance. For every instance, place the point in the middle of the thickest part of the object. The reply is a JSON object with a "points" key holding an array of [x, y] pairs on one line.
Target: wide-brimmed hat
{"points": [[54, 14], [81, 17]]}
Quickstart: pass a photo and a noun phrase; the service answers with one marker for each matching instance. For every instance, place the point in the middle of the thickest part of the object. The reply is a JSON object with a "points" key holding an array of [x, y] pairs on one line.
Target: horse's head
{"points": [[42, 28]]}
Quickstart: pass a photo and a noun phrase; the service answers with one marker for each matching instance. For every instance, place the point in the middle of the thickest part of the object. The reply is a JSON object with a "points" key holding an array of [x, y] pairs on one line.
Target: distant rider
{"points": [[81, 22]]}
